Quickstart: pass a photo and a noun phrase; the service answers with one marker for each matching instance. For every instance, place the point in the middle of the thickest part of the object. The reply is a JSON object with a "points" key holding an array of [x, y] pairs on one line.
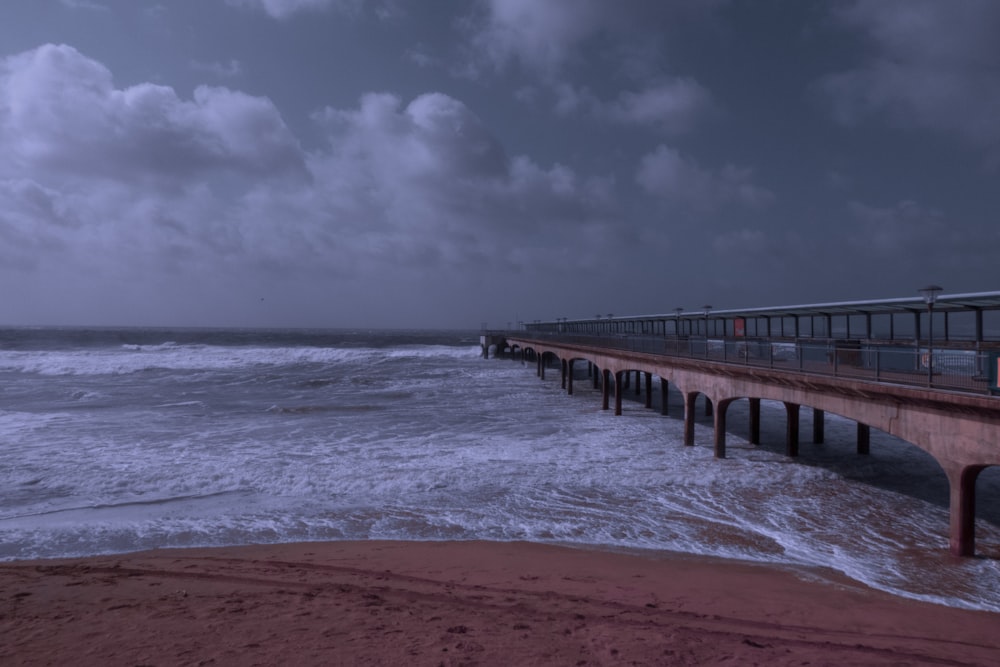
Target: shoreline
{"points": [[487, 603]]}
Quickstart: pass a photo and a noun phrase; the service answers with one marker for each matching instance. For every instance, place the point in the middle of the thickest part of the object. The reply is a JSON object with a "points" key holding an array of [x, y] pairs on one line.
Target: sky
{"points": [[449, 164]]}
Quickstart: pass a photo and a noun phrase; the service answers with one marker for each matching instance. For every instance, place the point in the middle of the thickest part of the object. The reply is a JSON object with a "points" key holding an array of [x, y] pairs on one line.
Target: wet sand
{"points": [[465, 603]]}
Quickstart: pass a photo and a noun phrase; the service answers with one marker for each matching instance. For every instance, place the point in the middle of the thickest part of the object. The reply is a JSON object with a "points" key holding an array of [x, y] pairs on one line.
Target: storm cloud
{"points": [[358, 163]]}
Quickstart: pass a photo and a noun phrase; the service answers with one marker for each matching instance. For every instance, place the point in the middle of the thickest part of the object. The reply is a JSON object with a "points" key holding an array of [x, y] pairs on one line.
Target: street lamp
{"points": [[930, 296], [707, 310]]}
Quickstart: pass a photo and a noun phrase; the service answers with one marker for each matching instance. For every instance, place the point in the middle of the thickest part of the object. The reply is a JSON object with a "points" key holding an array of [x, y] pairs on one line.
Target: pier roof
{"points": [[944, 303]]}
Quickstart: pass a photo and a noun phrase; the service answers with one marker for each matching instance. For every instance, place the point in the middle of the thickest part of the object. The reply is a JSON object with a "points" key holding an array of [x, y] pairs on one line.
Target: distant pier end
{"points": [[497, 341]]}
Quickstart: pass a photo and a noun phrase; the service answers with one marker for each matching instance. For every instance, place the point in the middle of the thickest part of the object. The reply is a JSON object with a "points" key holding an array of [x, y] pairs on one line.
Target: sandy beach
{"points": [[464, 603]]}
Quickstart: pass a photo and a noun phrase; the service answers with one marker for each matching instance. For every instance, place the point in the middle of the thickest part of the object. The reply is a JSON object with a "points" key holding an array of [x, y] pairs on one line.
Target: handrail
{"points": [[941, 368]]}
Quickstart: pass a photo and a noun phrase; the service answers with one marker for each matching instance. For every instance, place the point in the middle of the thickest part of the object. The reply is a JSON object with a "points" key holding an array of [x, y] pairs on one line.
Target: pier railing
{"points": [[939, 368]]}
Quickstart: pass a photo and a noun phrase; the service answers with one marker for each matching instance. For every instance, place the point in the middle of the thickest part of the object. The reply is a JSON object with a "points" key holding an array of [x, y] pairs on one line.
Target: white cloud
{"points": [[666, 174], [934, 66], [432, 180], [140, 191], [229, 70], [61, 114], [88, 5], [671, 105], [280, 9], [421, 57], [545, 36], [92, 172], [539, 35]]}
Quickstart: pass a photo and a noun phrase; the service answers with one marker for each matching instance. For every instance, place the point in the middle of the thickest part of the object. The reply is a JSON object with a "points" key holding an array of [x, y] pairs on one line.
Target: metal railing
{"points": [[941, 368]]}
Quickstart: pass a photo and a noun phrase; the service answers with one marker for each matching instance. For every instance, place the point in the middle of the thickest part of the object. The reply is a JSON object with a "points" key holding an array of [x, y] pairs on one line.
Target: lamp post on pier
{"points": [[708, 309], [930, 296]]}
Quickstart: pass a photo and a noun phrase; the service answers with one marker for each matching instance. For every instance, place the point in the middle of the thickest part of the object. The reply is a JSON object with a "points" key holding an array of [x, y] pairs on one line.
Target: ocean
{"points": [[117, 440]]}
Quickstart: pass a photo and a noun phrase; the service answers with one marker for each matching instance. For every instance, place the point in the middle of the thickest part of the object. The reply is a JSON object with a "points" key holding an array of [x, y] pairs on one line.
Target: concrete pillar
{"points": [[864, 438], [569, 377], [754, 421], [689, 401], [962, 481], [818, 426], [596, 374], [649, 390], [590, 369], [720, 432], [638, 384], [562, 373], [618, 391], [605, 388], [664, 385], [540, 370], [792, 429]]}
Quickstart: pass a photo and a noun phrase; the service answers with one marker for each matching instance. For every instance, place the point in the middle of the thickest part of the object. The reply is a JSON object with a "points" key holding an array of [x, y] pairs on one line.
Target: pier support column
{"points": [[649, 390], [618, 391], [638, 383], [569, 377], [689, 401], [962, 481], [720, 431], [664, 385], [818, 426], [792, 429], [541, 366], [596, 375], [864, 438], [754, 421], [590, 369], [605, 388]]}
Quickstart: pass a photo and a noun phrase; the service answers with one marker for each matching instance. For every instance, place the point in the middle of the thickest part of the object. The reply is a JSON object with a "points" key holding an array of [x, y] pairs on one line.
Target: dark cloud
{"points": [[666, 174], [139, 182], [367, 164], [932, 65]]}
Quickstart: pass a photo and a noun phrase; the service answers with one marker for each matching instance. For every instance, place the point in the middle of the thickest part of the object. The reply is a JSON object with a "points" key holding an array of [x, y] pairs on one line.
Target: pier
{"points": [[922, 369]]}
